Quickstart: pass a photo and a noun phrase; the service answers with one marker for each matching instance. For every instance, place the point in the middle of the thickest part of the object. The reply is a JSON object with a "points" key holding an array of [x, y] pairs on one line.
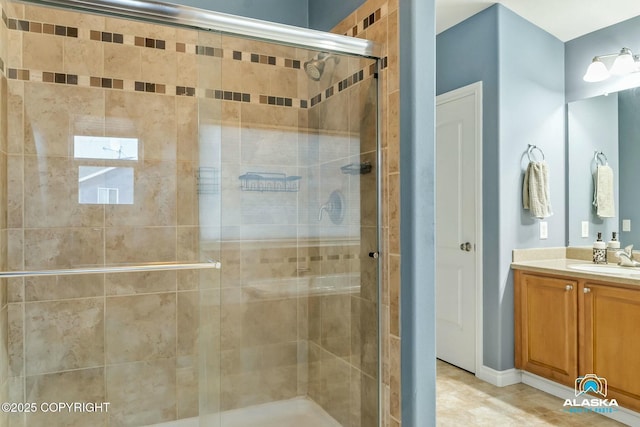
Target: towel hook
{"points": [[530, 152], [600, 158]]}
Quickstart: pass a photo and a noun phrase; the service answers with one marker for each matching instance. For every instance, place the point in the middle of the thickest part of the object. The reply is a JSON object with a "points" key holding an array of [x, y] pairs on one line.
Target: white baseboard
{"points": [[499, 378], [622, 415]]}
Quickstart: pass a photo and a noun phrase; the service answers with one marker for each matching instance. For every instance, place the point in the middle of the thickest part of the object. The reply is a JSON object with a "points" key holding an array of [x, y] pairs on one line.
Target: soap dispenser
{"points": [[613, 245], [599, 251]]}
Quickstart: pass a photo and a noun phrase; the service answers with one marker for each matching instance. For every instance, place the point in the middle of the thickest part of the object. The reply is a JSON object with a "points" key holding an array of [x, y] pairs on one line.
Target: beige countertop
{"points": [[562, 267]]}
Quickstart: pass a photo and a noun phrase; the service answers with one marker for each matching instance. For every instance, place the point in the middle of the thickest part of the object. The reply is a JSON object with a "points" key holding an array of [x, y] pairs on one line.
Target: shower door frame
{"points": [[201, 19]]}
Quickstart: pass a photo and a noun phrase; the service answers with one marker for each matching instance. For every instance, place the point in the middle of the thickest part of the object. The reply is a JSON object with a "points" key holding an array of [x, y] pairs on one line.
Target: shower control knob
{"points": [[374, 255]]}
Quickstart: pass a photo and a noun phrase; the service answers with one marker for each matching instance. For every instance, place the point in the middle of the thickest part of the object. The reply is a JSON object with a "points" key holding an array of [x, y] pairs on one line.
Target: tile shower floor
{"points": [[299, 412], [464, 400]]}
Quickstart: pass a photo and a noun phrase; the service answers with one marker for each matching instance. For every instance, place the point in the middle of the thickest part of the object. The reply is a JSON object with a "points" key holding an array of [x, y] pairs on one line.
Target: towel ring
{"points": [[600, 158], [530, 152]]}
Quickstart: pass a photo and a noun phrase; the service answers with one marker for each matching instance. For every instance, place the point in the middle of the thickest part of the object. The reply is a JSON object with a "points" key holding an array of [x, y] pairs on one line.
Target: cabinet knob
{"points": [[586, 290], [568, 287]]}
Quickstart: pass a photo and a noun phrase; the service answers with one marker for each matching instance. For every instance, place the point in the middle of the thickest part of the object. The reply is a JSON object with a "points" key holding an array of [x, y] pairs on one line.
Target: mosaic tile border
{"points": [[147, 42], [353, 79], [313, 258], [164, 89], [150, 87], [368, 21], [304, 260], [106, 37], [39, 27]]}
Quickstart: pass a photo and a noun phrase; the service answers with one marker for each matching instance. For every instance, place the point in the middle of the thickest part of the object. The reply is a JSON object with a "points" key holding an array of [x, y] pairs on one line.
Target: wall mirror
{"points": [[609, 124]]}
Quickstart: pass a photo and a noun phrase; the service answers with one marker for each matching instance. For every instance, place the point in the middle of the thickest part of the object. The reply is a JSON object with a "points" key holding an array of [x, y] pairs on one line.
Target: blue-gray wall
{"points": [[292, 12], [521, 104], [592, 126], [417, 195], [467, 53], [326, 14], [580, 51], [532, 111]]}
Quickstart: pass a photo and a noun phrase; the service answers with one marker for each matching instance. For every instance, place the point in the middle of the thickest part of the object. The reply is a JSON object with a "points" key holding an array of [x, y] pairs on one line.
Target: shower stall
{"points": [[188, 219]]}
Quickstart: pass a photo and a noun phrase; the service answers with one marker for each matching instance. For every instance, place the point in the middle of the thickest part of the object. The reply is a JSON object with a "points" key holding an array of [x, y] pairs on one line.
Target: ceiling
{"points": [[565, 19]]}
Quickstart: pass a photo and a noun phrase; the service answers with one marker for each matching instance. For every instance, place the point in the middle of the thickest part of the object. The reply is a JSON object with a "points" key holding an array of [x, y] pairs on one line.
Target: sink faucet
{"points": [[626, 257]]}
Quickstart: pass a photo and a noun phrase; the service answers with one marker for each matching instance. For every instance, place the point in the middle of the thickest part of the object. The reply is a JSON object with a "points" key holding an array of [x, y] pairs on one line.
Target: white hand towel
{"points": [[603, 192], [535, 190]]}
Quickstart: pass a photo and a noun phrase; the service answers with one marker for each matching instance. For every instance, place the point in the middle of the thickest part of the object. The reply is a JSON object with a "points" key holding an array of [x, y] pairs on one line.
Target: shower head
{"points": [[315, 67]]}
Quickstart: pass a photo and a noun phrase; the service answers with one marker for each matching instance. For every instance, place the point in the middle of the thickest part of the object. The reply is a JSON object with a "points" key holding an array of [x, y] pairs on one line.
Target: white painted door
{"points": [[457, 188]]}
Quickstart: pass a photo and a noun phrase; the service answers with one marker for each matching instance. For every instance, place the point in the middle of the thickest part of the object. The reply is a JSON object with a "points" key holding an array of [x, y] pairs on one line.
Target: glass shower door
{"points": [[298, 296], [105, 257]]}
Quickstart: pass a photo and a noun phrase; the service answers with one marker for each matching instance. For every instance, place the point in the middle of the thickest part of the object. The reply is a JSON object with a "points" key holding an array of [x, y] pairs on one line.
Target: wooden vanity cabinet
{"points": [[566, 327], [609, 338], [546, 328]]}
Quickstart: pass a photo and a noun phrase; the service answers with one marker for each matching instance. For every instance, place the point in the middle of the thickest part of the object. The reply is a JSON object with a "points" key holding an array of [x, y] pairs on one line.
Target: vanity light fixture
{"points": [[625, 63]]}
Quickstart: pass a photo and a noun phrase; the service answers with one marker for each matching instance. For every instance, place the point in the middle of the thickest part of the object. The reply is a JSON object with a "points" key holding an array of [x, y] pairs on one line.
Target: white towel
{"points": [[603, 192], [535, 190]]}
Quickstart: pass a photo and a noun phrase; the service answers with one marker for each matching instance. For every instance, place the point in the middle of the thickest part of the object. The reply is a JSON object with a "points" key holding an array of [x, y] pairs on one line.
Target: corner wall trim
{"points": [[499, 378], [623, 415]]}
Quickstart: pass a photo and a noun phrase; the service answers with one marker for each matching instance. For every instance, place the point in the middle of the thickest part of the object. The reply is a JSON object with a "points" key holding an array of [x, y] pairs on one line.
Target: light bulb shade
{"points": [[596, 72], [624, 63]]}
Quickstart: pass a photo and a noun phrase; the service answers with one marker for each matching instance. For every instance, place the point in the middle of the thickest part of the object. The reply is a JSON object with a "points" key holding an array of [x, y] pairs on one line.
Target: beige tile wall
{"points": [[385, 30], [132, 339]]}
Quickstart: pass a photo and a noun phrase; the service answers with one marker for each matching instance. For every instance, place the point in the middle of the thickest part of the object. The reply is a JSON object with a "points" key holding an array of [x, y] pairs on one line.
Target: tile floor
{"points": [[464, 400]]}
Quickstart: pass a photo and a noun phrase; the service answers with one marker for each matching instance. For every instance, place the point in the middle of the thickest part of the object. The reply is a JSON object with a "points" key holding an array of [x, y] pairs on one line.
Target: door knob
{"points": [[374, 255], [465, 247]]}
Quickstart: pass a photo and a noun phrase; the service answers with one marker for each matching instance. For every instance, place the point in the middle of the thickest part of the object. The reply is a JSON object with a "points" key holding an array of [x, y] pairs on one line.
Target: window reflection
{"points": [[105, 185], [105, 148]]}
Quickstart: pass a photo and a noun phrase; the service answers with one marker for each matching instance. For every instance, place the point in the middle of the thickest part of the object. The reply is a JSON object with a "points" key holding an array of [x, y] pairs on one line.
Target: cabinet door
{"points": [[610, 340], [546, 326]]}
